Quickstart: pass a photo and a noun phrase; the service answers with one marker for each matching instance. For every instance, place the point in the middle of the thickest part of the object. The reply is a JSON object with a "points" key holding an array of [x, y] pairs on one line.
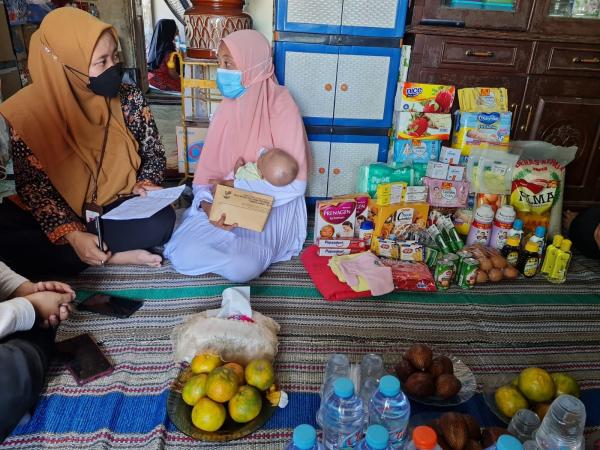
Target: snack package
{"points": [[437, 170], [456, 173], [362, 203], [446, 193], [420, 97], [349, 243], [377, 173], [462, 219], [404, 251], [482, 99], [335, 218], [388, 193], [397, 221], [422, 126], [491, 171], [481, 130], [411, 150], [415, 194], [234, 331], [535, 190], [410, 276]]}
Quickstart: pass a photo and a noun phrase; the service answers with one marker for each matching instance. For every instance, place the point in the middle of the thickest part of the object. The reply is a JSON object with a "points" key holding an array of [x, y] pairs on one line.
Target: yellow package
{"points": [[483, 99], [398, 220], [388, 193], [481, 130]]}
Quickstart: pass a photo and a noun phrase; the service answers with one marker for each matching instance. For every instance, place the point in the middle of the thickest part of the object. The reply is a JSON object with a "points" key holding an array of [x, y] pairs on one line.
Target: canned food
{"points": [[456, 260], [463, 254], [431, 256], [444, 272], [468, 273]]}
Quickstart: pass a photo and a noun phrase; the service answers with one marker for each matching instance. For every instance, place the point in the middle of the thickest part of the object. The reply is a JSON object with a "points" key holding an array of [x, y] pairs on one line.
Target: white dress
{"points": [[198, 247]]}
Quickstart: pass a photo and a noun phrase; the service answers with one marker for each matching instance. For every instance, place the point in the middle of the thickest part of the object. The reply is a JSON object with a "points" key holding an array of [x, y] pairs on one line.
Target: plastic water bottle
{"points": [[304, 438], [342, 416], [377, 438], [390, 407], [337, 366], [506, 442], [523, 424], [563, 424], [371, 370], [423, 438]]}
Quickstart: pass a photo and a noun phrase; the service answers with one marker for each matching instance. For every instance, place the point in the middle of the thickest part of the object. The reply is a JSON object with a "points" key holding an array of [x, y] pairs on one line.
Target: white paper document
{"points": [[143, 207]]}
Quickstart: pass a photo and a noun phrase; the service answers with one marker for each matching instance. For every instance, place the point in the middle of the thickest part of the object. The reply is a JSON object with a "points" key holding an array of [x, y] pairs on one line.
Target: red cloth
{"points": [[161, 79], [325, 280]]}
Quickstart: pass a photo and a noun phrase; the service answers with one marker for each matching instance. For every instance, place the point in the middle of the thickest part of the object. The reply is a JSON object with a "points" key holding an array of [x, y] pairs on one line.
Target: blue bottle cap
{"points": [[305, 436], [540, 231], [366, 225], [518, 224], [343, 387], [389, 386], [377, 437], [507, 442]]}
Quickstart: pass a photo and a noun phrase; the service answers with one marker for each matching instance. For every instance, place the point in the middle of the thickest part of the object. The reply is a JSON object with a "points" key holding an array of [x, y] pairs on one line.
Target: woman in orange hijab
{"points": [[81, 141]]}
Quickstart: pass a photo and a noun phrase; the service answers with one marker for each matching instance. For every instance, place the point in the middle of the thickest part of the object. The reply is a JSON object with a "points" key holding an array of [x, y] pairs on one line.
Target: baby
{"points": [[273, 165]]}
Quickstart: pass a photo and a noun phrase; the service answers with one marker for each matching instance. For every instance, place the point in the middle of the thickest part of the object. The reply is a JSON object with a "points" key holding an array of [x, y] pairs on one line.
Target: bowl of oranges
{"points": [[215, 400]]}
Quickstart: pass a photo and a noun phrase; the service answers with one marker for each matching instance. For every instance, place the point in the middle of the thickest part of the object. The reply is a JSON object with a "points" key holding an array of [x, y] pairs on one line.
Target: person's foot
{"points": [[139, 257], [567, 218]]}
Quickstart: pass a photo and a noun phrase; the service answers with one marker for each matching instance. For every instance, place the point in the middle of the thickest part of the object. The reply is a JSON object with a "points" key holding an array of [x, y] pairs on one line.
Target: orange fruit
{"points": [[536, 385], [245, 405], [238, 369], [565, 384], [222, 384], [205, 363], [194, 389], [541, 409], [509, 400], [260, 373], [208, 415]]}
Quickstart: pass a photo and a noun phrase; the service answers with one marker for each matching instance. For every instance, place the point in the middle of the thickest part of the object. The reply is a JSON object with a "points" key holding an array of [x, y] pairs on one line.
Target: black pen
{"points": [[99, 233]]}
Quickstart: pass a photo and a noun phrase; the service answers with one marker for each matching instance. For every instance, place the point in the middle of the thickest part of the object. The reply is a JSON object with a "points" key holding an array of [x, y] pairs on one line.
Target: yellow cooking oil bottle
{"points": [[561, 265], [550, 258]]}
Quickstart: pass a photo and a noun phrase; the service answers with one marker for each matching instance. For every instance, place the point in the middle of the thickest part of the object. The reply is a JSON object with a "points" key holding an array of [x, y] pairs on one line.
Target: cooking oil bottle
{"points": [[561, 266], [550, 258]]}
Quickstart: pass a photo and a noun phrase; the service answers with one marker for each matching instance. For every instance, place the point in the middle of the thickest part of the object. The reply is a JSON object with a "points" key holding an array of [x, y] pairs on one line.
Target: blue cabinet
{"points": [[340, 85], [383, 18]]}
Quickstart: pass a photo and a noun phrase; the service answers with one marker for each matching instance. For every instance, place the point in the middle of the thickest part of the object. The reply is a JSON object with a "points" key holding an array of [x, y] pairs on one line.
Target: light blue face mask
{"points": [[229, 83]]}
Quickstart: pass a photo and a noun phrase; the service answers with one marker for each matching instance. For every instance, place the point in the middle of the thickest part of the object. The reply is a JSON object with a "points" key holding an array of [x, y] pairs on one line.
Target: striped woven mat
{"points": [[494, 329]]}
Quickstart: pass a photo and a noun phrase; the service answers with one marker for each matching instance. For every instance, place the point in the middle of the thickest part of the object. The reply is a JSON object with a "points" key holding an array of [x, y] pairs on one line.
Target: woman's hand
{"points": [[51, 307], [221, 224], [142, 188], [28, 287], [86, 247]]}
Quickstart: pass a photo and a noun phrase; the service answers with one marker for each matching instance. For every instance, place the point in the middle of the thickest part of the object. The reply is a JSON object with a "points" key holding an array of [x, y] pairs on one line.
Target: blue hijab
{"points": [[161, 43]]}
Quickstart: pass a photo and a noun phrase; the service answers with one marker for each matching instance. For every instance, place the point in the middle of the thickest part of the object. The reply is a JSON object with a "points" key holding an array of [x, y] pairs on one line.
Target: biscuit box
{"points": [[362, 208], [335, 218], [397, 221], [421, 97], [422, 126], [481, 130]]}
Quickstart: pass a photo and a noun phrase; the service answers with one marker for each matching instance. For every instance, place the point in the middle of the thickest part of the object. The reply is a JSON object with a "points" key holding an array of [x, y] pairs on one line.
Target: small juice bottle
{"points": [[511, 250], [550, 258], [529, 260], [563, 258]]}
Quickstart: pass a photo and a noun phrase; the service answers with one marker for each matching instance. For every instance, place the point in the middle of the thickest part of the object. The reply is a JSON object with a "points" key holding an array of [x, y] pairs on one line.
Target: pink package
{"points": [[447, 193], [335, 218]]}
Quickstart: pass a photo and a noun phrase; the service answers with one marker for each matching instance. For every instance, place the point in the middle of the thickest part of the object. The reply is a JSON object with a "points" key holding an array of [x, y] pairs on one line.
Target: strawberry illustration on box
{"points": [[422, 126], [428, 98]]}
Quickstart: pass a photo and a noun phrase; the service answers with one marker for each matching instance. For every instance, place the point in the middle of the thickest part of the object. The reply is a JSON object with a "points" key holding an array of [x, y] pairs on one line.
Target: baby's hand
{"points": [[239, 163]]}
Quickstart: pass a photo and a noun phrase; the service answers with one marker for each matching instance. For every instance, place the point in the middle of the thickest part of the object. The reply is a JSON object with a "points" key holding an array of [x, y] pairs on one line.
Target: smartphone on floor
{"points": [[110, 305], [84, 359]]}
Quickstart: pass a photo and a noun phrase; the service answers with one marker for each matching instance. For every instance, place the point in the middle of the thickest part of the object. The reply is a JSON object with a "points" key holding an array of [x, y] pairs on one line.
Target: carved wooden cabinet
{"points": [[552, 75]]}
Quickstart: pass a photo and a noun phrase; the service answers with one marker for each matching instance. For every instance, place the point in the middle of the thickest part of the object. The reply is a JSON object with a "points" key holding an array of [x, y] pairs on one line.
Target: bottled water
{"points": [[342, 416], [563, 424], [390, 407], [523, 424], [304, 438], [506, 442], [423, 438], [371, 370], [376, 439], [337, 366]]}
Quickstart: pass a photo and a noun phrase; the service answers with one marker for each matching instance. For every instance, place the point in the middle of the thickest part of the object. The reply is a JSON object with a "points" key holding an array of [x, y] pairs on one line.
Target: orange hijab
{"points": [[265, 116], [63, 122]]}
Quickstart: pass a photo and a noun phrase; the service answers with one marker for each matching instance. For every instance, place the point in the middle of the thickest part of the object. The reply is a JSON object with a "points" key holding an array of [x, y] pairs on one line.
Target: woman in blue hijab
{"points": [[159, 51]]}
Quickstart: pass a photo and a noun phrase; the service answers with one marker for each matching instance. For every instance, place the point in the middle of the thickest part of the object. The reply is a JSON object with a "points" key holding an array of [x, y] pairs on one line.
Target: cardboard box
{"points": [[397, 221], [421, 97], [450, 155], [362, 209], [349, 243], [248, 209], [335, 218], [415, 194], [437, 170], [456, 173], [195, 136], [422, 126], [338, 251], [388, 193]]}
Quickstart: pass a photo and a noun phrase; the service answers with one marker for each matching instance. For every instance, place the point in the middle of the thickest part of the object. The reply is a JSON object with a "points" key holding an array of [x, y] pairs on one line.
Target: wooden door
{"points": [[551, 17], [566, 111]]}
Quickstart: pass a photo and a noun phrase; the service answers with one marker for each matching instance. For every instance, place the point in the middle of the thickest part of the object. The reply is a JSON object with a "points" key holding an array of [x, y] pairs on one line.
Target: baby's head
{"points": [[277, 167]]}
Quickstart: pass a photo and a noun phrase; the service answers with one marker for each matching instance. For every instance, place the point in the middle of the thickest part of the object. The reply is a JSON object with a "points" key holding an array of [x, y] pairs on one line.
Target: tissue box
{"points": [[450, 155], [421, 97], [455, 173], [437, 170], [248, 209], [423, 126], [481, 130]]}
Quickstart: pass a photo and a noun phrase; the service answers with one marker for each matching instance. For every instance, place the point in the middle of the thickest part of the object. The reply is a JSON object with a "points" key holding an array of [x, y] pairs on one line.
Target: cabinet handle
{"points": [[479, 54], [525, 127], [514, 108], [580, 60], [344, 87], [336, 171], [328, 87], [321, 170]]}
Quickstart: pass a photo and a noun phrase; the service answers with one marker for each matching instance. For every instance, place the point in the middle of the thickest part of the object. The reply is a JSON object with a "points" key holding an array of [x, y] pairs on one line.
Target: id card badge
{"points": [[92, 211]]}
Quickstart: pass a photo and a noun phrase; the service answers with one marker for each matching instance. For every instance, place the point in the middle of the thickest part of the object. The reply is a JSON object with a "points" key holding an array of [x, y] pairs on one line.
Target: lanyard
{"points": [[102, 152]]}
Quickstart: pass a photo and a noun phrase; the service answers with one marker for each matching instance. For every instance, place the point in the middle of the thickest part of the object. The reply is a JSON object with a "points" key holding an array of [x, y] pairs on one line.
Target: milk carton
{"points": [[335, 218]]}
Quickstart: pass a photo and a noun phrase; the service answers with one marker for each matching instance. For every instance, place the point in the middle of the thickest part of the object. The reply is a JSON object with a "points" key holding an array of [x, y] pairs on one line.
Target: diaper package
{"points": [[420, 97], [422, 126], [447, 193], [411, 150], [483, 99], [377, 173], [481, 130]]}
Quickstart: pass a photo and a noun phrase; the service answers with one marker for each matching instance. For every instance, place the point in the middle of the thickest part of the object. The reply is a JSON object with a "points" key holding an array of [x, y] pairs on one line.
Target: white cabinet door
{"points": [[361, 13], [316, 12], [344, 163], [319, 170], [362, 82], [310, 77]]}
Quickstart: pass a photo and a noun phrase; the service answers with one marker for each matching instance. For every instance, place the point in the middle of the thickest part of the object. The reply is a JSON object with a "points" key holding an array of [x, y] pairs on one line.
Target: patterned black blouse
{"points": [[36, 192]]}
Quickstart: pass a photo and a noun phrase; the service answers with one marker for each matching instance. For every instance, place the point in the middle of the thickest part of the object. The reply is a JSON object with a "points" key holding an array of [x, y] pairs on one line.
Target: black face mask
{"points": [[108, 82]]}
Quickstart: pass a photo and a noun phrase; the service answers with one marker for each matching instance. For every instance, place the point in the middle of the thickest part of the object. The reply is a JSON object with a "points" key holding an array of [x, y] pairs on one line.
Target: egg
{"points": [[495, 275], [482, 277], [498, 261], [485, 265], [510, 272]]}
